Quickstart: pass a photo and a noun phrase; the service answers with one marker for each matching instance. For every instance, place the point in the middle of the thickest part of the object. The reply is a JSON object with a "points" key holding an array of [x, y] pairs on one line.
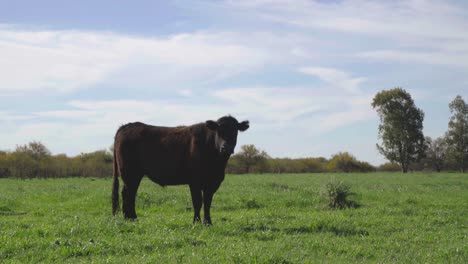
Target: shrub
{"points": [[346, 162], [337, 194]]}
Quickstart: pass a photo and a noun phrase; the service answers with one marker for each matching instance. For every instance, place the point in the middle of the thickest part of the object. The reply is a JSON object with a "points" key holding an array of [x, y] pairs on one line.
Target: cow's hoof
{"points": [[130, 217], [207, 223]]}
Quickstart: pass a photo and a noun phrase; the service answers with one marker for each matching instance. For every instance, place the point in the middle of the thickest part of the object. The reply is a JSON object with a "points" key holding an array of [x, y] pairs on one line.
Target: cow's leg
{"points": [[129, 195], [207, 198], [196, 193], [208, 192]]}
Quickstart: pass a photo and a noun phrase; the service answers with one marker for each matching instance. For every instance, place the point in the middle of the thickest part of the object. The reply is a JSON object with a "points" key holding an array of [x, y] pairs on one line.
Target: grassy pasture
{"points": [[413, 218]]}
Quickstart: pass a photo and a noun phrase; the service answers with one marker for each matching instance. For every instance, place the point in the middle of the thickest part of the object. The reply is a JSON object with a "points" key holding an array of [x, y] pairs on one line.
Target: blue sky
{"points": [[303, 72]]}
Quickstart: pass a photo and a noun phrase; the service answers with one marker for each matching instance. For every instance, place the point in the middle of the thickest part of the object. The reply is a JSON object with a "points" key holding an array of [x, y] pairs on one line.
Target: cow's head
{"points": [[226, 129]]}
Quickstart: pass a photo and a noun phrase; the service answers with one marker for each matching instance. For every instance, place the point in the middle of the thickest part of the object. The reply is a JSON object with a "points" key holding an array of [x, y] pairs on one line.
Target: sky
{"points": [[302, 72]]}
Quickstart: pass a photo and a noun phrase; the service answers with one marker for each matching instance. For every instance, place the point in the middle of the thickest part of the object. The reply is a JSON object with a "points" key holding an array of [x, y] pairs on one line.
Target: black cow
{"points": [[195, 155]]}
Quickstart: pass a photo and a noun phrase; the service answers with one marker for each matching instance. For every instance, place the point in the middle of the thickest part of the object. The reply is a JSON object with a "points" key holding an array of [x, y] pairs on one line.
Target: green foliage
{"points": [[337, 194], [302, 165], [342, 162], [457, 134], [415, 218], [248, 160], [400, 128], [35, 160], [346, 162], [260, 162]]}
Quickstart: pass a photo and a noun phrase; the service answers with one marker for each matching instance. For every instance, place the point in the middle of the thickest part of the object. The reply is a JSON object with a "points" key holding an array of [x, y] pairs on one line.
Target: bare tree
{"points": [[251, 156], [436, 152]]}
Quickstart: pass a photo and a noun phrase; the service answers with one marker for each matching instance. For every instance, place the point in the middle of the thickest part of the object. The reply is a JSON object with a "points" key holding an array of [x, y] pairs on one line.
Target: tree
{"points": [[250, 156], [4, 166], [457, 134], [436, 151], [35, 149], [400, 129]]}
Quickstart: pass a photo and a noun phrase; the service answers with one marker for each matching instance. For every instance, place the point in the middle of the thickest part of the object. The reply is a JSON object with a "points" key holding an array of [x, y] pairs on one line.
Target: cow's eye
{"points": [[222, 131]]}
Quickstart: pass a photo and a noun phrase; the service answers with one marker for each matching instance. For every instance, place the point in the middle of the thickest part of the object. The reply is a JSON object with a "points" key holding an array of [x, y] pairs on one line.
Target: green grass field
{"points": [[413, 218]]}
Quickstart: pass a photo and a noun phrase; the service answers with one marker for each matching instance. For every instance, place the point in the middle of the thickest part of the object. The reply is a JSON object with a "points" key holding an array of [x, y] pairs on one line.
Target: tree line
{"points": [[252, 160], [34, 160]]}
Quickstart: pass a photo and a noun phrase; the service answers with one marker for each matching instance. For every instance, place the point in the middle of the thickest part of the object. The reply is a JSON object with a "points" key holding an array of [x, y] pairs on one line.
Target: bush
{"points": [[389, 167], [337, 194], [346, 162]]}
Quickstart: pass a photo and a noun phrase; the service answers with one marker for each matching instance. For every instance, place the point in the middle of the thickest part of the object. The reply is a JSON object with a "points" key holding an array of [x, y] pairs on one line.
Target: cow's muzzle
{"points": [[227, 150]]}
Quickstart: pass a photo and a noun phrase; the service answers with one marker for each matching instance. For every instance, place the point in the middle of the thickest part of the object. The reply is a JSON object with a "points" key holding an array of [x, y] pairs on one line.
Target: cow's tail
{"points": [[115, 186]]}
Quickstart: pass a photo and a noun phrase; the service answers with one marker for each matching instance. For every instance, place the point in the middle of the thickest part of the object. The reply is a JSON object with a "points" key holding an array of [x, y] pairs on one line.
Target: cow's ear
{"points": [[211, 125], [243, 126]]}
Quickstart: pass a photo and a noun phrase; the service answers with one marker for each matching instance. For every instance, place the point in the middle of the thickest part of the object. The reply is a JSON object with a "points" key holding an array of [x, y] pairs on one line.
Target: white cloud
{"points": [[335, 78], [278, 105], [7, 116], [384, 18], [448, 58], [69, 60], [430, 31], [312, 110], [356, 109], [186, 92]]}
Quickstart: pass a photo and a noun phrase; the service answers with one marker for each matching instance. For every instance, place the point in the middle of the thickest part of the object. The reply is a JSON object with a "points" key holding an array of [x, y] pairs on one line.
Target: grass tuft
{"points": [[252, 204], [337, 194]]}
